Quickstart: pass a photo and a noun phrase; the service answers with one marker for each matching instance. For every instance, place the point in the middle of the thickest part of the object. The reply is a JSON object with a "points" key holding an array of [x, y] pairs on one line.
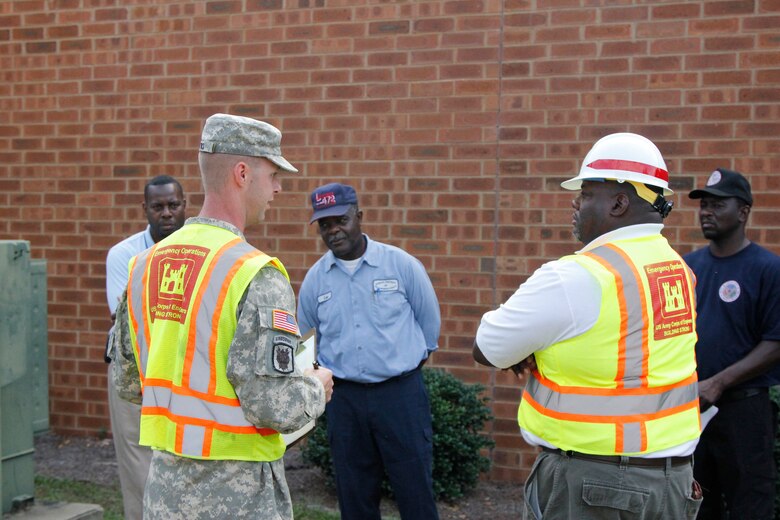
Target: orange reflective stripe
{"points": [[144, 310], [183, 390], [640, 285], [181, 422], [196, 305], [134, 322], [620, 438], [209, 434], [620, 376], [621, 299], [145, 307], [179, 443], [218, 311]]}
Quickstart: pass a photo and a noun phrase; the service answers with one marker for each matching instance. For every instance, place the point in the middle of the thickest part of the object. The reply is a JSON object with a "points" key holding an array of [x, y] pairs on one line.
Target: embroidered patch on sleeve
{"points": [[284, 357], [282, 320]]}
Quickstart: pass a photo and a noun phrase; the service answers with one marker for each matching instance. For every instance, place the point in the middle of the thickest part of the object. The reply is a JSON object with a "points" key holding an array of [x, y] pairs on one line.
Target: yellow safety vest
{"points": [[183, 295], [628, 385]]}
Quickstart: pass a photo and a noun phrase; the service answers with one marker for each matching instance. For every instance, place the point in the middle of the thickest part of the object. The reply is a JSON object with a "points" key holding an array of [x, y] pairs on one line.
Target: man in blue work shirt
{"points": [[377, 320]]}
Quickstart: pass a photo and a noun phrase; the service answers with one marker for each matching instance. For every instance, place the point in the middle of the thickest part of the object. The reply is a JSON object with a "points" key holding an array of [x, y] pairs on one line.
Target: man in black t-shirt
{"points": [[738, 349]]}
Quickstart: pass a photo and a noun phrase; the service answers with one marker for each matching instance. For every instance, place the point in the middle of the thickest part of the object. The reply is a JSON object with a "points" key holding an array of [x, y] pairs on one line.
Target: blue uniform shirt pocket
{"points": [[388, 302]]}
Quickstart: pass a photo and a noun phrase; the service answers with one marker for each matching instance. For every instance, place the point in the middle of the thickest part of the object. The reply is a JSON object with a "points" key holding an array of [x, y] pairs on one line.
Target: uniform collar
{"points": [[215, 222], [370, 255], [624, 233], [148, 240]]}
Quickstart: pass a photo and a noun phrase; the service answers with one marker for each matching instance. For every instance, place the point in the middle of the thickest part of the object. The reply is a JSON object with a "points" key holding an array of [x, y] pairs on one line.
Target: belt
{"points": [[339, 381], [620, 459], [736, 394]]}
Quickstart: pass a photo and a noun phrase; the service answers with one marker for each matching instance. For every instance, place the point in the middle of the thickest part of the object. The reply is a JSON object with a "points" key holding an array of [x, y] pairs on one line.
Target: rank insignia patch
{"points": [[284, 355]]}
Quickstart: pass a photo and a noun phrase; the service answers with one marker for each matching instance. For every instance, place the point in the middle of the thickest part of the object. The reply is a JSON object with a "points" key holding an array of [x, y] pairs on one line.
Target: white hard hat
{"points": [[623, 157]]}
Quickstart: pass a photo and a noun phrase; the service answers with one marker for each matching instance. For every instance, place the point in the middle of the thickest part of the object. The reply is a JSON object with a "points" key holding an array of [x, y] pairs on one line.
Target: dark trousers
{"points": [[378, 428], [733, 461]]}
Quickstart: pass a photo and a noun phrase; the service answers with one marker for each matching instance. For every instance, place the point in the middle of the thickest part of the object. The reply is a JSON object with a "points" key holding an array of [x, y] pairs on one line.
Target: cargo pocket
{"points": [[597, 494]]}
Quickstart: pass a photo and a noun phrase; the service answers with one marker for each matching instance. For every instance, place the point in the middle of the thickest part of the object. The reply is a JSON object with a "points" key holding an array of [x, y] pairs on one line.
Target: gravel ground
{"points": [[93, 460]]}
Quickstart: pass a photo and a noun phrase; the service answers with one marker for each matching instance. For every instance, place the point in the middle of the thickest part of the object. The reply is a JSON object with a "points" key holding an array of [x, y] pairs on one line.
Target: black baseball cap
{"points": [[725, 183]]}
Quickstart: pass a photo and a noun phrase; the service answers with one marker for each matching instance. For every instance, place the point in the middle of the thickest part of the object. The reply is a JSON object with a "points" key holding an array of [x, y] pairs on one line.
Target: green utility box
{"points": [[38, 351], [23, 369]]}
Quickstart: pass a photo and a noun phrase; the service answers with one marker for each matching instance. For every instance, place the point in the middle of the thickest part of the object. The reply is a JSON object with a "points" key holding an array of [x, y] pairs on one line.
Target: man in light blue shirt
{"points": [[164, 206], [377, 320]]}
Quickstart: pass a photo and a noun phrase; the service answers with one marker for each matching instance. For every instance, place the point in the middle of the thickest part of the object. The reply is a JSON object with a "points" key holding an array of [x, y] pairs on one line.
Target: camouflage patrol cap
{"points": [[238, 135]]}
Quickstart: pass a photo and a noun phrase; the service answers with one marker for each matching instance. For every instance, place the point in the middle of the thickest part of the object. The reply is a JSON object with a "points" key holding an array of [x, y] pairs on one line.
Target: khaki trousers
{"points": [[564, 488], [132, 460]]}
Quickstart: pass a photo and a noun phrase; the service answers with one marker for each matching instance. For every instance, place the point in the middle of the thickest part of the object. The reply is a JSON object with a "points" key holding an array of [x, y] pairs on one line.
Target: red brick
{"points": [[459, 7], [756, 60], [623, 48], [734, 113], [605, 66], [728, 8], [661, 29], [759, 23], [436, 25], [759, 95], [389, 27], [350, 30], [611, 15]]}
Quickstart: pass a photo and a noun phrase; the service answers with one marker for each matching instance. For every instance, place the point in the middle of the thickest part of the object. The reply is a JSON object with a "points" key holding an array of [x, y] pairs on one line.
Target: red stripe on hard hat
{"points": [[630, 166]]}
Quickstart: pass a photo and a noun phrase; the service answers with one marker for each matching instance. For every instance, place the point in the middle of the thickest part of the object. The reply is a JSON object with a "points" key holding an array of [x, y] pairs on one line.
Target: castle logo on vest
{"points": [[672, 313], [174, 271]]}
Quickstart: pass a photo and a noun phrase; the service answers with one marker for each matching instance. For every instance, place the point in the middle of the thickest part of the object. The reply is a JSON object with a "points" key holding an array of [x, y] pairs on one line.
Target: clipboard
{"points": [[305, 357]]}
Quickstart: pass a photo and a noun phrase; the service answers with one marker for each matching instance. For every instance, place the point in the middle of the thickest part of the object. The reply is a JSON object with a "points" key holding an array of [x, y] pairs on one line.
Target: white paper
{"points": [[307, 352], [707, 415], [304, 358]]}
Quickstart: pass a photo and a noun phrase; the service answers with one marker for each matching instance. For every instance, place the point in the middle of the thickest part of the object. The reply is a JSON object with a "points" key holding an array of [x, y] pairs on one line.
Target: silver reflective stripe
{"points": [[200, 371], [137, 295], [194, 408], [613, 405], [632, 438], [636, 326], [193, 440]]}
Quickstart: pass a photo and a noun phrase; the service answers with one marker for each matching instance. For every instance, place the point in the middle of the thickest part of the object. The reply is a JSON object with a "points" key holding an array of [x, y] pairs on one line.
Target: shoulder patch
{"points": [[284, 355], [284, 321]]}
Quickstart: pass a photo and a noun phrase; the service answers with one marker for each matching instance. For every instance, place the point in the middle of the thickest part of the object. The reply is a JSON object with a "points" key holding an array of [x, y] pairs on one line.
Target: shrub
{"points": [[459, 413]]}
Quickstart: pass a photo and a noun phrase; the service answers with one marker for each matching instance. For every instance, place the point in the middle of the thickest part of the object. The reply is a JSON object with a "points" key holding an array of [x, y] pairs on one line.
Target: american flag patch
{"points": [[285, 321]]}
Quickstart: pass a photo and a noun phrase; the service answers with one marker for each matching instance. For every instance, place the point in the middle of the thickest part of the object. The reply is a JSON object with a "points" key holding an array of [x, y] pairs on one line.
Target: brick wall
{"points": [[455, 120]]}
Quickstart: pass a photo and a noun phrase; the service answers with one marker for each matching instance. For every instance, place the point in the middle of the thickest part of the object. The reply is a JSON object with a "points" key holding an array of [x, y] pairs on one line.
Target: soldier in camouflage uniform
{"points": [[239, 160]]}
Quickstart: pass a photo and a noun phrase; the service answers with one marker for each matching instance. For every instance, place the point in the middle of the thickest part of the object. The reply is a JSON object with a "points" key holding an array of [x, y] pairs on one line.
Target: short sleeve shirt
{"points": [[737, 305]]}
